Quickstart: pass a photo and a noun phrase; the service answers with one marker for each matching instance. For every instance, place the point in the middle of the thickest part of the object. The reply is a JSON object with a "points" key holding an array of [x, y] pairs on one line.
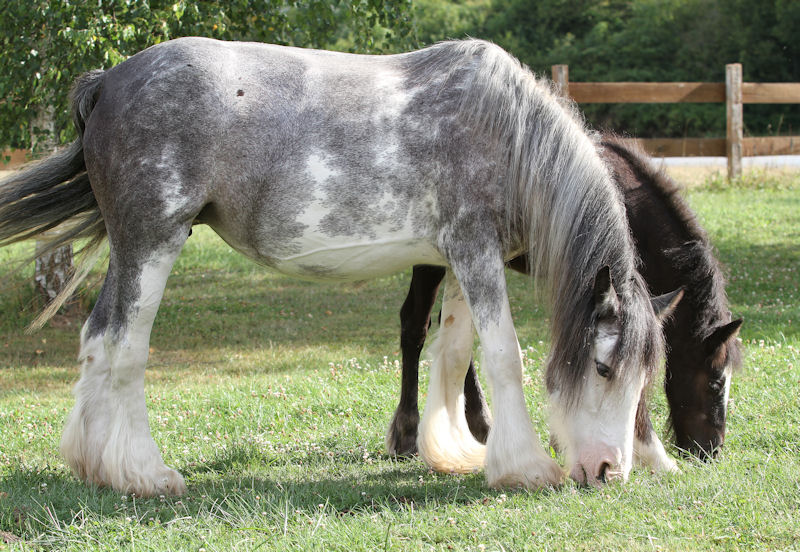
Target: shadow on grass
{"points": [[230, 489], [200, 324]]}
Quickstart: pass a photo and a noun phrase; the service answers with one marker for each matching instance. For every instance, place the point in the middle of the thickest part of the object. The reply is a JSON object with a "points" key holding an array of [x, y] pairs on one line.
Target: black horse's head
{"points": [[697, 388]]}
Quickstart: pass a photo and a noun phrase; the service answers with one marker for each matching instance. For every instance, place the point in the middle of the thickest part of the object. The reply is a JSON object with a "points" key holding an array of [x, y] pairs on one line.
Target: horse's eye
{"points": [[715, 385], [603, 370]]}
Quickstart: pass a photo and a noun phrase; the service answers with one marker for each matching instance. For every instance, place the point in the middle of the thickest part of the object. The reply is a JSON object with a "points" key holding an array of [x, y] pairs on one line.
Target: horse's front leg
{"points": [[648, 450], [515, 455], [415, 320], [445, 441]]}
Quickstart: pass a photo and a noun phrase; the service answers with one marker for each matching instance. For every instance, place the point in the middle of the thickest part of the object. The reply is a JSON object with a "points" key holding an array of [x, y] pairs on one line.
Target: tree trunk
{"points": [[53, 269]]}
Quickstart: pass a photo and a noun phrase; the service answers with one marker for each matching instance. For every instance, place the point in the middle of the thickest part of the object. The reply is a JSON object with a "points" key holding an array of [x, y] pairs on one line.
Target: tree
{"points": [[47, 44], [437, 20], [642, 40]]}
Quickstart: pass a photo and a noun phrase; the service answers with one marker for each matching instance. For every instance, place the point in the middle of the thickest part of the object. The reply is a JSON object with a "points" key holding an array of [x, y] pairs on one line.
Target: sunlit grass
{"points": [[271, 395]]}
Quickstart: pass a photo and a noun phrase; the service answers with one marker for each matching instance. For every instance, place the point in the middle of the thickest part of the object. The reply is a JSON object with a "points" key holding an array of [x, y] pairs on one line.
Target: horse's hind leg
{"points": [[107, 436]]}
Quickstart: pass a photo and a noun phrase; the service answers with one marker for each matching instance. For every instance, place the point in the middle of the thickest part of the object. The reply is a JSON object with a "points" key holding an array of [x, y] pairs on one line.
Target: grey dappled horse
{"points": [[343, 167]]}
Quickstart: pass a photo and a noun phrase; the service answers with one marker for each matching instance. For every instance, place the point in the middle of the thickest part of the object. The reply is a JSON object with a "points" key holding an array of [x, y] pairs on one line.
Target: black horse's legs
{"points": [[479, 417], [415, 319]]}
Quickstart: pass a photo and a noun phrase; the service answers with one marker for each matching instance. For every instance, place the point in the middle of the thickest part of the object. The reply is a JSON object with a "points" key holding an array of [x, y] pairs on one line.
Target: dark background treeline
{"points": [[46, 44], [642, 40]]}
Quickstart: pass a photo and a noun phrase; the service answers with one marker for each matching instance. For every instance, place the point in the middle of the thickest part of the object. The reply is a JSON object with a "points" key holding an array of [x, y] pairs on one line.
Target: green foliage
{"points": [[648, 40], [437, 20], [47, 44]]}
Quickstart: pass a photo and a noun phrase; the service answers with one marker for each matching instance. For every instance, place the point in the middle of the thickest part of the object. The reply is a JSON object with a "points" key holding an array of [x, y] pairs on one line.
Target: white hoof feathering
{"points": [[444, 440], [107, 437], [517, 459], [106, 440], [445, 443], [103, 457], [652, 455]]}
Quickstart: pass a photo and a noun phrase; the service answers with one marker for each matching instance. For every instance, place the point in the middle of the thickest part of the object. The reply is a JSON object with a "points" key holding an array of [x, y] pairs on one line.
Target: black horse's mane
{"points": [[695, 257], [661, 184]]}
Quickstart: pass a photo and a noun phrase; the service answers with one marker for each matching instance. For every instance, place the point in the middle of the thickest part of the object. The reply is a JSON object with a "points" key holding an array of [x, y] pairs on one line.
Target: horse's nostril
{"points": [[604, 468]]}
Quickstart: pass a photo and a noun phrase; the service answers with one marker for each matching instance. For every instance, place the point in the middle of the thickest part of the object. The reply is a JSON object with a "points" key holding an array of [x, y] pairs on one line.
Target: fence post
{"points": [[561, 78], [733, 99]]}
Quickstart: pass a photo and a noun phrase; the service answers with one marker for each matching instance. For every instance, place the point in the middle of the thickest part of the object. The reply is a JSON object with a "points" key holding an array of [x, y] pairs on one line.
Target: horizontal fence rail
{"points": [[716, 147], [16, 158], [681, 92], [733, 92]]}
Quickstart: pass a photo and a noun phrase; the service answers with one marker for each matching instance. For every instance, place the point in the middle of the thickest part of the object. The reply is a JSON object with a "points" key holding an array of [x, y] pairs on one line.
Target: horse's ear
{"points": [[664, 305], [722, 334], [606, 302]]}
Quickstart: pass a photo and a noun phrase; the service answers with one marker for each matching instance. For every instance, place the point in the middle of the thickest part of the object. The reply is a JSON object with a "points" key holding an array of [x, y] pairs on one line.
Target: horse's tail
{"points": [[48, 193]]}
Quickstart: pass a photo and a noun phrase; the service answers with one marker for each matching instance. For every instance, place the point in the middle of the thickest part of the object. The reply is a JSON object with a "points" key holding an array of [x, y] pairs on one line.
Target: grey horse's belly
{"points": [[318, 256], [322, 240]]}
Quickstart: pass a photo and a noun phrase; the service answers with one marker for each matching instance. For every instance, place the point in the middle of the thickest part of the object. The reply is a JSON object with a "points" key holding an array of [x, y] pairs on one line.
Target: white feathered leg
{"points": [[514, 454], [651, 454], [86, 429], [444, 440], [107, 436]]}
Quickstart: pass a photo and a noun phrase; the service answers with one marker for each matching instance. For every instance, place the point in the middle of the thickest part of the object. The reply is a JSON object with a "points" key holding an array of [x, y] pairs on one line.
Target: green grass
{"points": [[271, 395]]}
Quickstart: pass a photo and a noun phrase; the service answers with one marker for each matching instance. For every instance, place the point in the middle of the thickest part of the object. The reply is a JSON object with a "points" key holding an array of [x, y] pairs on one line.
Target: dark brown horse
{"points": [[702, 348]]}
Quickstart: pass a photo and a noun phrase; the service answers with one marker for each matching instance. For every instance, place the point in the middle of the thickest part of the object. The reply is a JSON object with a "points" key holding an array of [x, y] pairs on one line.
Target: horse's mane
{"points": [[561, 203], [695, 257], [660, 184]]}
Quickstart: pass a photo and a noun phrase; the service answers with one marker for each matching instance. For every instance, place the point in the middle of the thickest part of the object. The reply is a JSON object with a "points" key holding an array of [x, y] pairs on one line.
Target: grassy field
{"points": [[271, 395]]}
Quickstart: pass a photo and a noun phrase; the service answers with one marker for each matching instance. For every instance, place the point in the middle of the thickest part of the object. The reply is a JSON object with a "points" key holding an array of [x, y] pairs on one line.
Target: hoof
{"points": [[538, 473], [166, 482], [651, 454], [449, 448], [461, 458], [401, 437], [170, 483]]}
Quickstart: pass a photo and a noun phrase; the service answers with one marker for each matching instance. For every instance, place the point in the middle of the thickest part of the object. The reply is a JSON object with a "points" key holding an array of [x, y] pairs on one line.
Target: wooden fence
{"points": [[732, 92]]}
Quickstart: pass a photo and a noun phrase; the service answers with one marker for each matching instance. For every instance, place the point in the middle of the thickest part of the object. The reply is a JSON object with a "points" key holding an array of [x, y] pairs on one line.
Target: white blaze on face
{"points": [[728, 373], [596, 434]]}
